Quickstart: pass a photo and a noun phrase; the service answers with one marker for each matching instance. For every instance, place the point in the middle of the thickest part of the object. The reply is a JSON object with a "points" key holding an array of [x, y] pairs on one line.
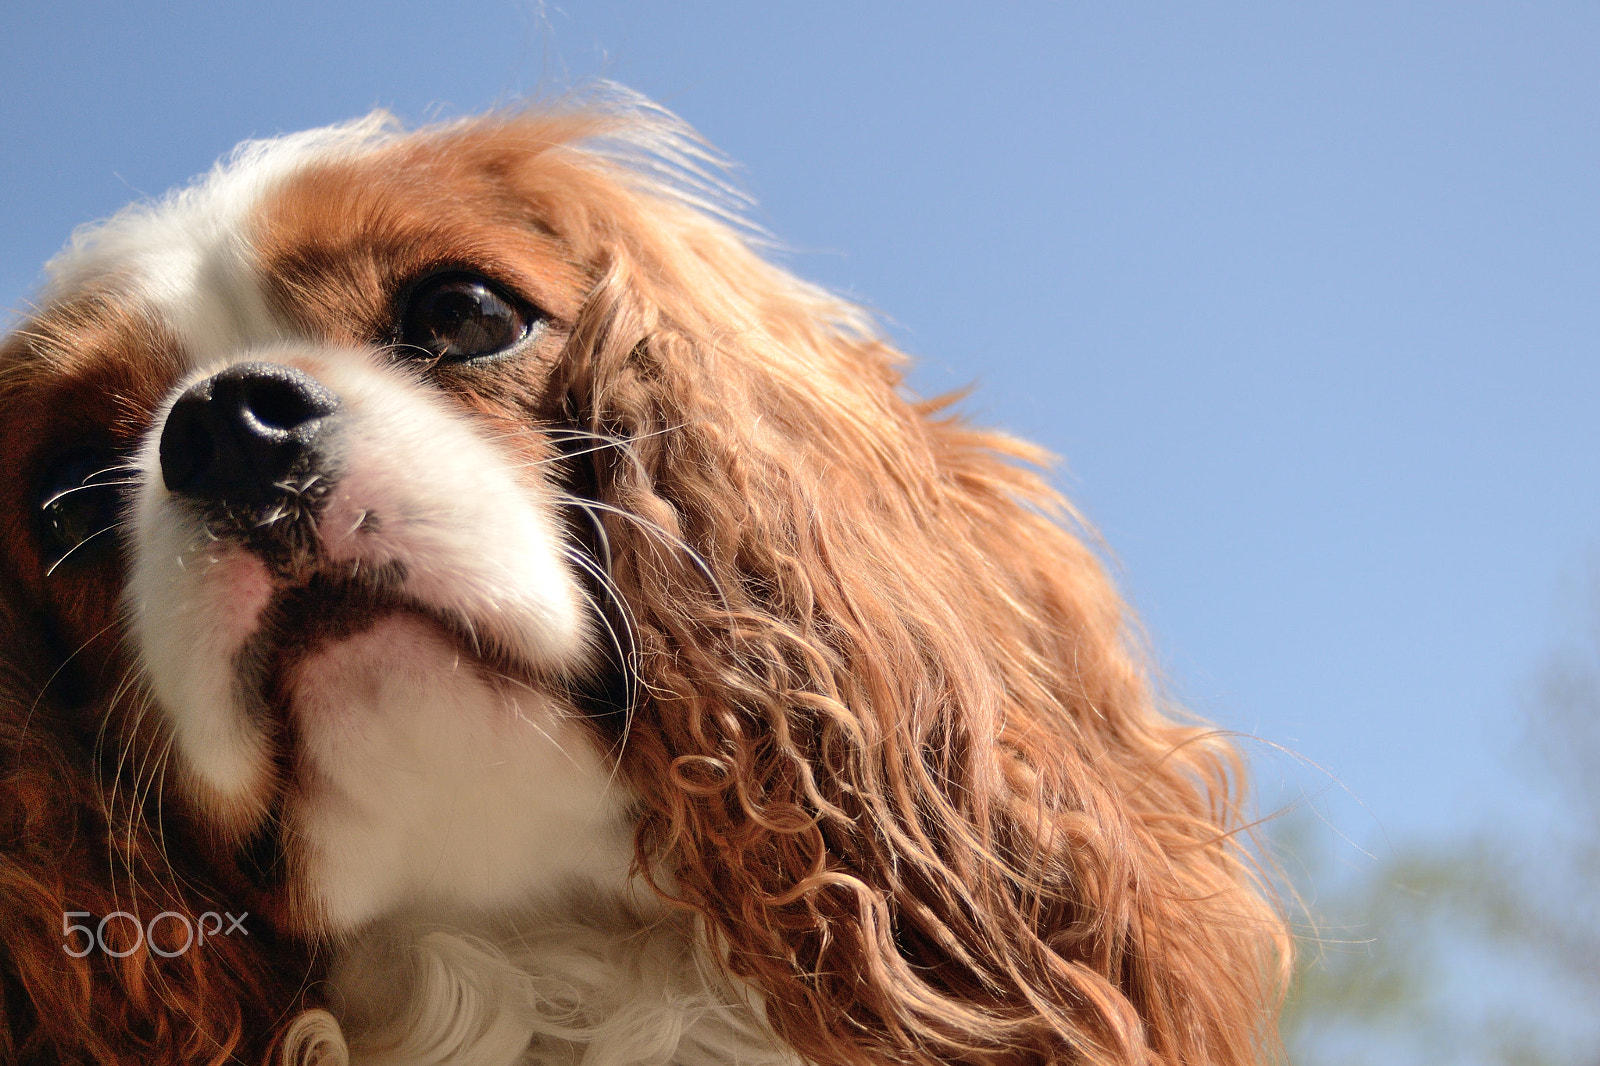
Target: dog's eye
{"points": [[78, 504], [462, 316]]}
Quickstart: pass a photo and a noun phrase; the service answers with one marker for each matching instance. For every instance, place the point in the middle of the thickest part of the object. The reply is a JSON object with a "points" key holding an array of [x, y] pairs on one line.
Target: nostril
{"points": [[278, 401], [235, 436], [188, 447]]}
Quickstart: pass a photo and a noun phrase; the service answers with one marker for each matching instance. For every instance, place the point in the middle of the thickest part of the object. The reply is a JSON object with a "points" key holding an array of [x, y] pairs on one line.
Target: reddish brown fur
{"points": [[896, 742], [78, 767]]}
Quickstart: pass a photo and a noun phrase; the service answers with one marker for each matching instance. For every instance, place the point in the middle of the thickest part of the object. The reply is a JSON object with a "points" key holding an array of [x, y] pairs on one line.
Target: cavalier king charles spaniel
{"points": [[560, 632]]}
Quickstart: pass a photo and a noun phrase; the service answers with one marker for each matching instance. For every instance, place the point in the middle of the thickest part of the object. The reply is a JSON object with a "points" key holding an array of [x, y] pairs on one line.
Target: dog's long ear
{"points": [[893, 741], [82, 865]]}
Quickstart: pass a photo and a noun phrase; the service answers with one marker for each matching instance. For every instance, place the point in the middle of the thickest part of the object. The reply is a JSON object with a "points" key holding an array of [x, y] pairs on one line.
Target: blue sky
{"points": [[1304, 295]]}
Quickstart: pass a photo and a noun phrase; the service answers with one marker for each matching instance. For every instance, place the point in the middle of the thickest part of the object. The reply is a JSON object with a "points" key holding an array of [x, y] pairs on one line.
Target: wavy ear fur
{"points": [[894, 739], [70, 842]]}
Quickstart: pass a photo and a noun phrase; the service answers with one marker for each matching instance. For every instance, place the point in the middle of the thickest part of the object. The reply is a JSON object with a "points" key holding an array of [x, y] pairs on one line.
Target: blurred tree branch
{"points": [[1485, 949]]}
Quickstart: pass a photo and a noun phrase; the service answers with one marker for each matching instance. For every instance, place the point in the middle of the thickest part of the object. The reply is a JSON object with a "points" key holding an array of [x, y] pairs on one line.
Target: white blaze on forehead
{"points": [[189, 254]]}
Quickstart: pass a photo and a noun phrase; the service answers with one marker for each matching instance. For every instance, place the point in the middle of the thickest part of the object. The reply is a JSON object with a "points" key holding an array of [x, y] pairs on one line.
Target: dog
{"points": [[562, 621]]}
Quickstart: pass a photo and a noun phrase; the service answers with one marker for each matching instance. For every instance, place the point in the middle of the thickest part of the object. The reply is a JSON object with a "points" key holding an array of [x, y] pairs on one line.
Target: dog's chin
{"points": [[328, 657], [413, 764]]}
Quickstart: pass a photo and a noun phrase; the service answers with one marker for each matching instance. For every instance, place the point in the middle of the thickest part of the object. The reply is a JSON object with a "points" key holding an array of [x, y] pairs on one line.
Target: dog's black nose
{"points": [[235, 436]]}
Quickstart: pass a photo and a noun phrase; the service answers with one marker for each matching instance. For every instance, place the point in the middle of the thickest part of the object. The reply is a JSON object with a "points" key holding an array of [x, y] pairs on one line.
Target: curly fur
{"points": [[896, 742]]}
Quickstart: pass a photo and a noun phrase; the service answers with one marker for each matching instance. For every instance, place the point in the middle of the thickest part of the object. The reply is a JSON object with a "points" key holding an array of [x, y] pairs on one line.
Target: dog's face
{"points": [[290, 438]]}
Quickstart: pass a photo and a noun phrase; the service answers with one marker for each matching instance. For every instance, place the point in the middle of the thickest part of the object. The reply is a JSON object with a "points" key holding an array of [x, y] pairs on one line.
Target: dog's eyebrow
{"points": [[337, 240]]}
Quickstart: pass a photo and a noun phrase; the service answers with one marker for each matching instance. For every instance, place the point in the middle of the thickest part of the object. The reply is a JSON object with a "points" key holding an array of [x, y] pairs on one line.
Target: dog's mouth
{"points": [[330, 606]]}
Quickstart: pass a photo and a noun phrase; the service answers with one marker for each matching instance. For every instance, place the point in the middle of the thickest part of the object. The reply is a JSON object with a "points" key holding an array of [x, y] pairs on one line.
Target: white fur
{"points": [[601, 984], [474, 532], [441, 787], [192, 605]]}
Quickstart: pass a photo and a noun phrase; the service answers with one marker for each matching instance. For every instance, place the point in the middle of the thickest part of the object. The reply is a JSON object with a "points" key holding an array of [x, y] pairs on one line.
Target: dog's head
{"points": [[476, 515]]}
